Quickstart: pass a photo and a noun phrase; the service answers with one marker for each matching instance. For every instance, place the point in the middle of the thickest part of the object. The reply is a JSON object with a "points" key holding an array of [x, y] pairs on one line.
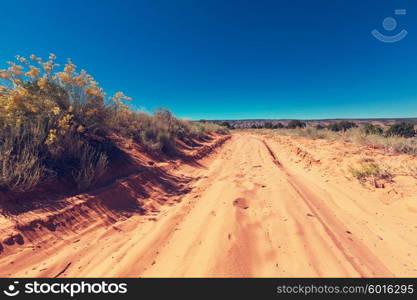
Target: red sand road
{"points": [[257, 207]]}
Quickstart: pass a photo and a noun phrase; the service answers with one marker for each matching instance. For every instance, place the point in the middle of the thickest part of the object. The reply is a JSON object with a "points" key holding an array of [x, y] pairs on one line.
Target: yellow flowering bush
{"points": [[44, 112], [56, 122]]}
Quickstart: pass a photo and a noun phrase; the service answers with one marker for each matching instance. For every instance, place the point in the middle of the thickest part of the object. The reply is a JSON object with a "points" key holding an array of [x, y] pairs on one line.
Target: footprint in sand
{"points": [[241, 203]]}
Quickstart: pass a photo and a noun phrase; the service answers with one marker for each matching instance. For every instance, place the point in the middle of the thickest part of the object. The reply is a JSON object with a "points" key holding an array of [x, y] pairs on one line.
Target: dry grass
{"points": [[369, 169], [395, 144]]}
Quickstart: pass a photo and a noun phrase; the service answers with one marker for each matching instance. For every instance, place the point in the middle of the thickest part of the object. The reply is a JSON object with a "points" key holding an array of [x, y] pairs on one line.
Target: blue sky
{"points": [[230, 59]]}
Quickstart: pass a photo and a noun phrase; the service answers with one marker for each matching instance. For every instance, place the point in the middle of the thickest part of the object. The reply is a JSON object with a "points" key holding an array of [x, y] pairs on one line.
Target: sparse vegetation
{"points": [[58, 123], [227, 125], [373, 129], [401, 129], [370, 170], [341, 126], [296, 124], [390, 143]]}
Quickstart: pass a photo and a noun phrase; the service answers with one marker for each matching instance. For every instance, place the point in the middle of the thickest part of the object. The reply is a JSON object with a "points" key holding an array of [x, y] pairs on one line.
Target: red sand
{"points": [[256, 206]]}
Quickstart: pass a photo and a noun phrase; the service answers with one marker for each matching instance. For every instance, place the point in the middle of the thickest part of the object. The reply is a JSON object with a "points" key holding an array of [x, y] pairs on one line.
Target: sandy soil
{"points": [[260, 206]]}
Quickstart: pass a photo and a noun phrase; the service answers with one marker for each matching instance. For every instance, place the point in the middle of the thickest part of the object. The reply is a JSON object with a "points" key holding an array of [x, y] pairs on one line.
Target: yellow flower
{"points": [[56, 110], [47, 67], [80, 81], [22, 92], [4, 74], [33, 73], [33, 57], [119, 97], [42, 82], [81, 129], [16, 70], [64, 123], [30, 107], [94, 91], [52, 137], [69, 67], [64, 77]]}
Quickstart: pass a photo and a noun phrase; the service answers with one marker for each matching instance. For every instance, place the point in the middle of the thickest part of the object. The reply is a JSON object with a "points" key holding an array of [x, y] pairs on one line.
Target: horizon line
{"points": [[289, 119]]}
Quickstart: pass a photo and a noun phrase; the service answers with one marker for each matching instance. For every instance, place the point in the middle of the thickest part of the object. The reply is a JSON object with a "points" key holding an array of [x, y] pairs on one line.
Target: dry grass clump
{"points": [[56, 123], [370, 169], [308, 131], [390, 143]]}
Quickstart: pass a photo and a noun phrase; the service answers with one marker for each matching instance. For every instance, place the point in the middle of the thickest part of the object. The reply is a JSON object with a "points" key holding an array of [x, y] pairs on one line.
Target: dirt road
{"points": [[252, 211]]}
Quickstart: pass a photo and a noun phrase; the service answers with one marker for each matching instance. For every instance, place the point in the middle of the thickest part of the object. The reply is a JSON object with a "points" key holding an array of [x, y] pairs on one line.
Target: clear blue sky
{"points": [[230, 59]]}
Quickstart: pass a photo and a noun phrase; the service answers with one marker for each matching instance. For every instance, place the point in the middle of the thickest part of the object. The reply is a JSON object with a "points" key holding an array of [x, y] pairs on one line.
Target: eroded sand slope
{"points": [[260, 206]]}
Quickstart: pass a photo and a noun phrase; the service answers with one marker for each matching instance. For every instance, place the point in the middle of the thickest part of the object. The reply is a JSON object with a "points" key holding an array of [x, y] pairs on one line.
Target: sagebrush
{"points": [[57, 123]]}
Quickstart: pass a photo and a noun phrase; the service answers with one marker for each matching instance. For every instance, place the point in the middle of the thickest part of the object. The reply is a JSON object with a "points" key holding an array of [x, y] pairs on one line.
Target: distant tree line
{"points": [[268, 125]]}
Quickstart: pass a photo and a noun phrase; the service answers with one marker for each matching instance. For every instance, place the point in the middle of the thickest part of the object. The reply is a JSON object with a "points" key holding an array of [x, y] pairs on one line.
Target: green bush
{"points": [[341, 126], [296, 124], [373, 129], [227, 125], [371, 169], [402, 129]]}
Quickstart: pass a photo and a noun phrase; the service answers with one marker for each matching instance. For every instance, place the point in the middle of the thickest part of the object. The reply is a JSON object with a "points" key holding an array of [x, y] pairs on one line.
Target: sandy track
{"points": [[251, 212]]}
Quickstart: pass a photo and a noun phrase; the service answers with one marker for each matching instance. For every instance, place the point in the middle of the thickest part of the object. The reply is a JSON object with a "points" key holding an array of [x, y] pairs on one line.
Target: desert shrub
{"points": [[227, 125], [49, 123], [65, 100], [369, 169], [92, 164], [314, 133], [161, 131], [80, 158], [268, 125], [373, 129], [210, 127], [278, 125], [58, 123], [341, 126], [308, 131], [296, 124], [402, 129], [320, 127], [21, 151]]}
